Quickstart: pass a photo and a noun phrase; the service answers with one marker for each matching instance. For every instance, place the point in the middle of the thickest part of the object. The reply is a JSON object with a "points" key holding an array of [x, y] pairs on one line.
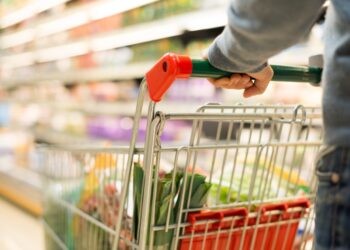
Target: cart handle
{"points": [[171, 66]]}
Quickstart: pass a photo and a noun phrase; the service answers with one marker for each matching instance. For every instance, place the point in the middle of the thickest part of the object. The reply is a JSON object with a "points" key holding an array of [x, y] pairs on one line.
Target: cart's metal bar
{"points": [[141, 212], [307, 137], [251, 189], [217, 139], [200, 147], [54, 236], [174, 172], [191, 239], [133, 245], [205, 235], [235, 159], [309, 221], [129, 167], [182, 201], [308, 227], [235, 116], [228, 138], [148, 170], [86, 217], [245, 161], [155, 188], [259, 106], [195, 138], [217, 238], [283, 163], [225, 146]]}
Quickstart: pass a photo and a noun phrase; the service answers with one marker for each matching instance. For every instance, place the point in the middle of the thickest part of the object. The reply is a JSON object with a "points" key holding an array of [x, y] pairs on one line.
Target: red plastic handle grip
{"points": [[164, 73]]}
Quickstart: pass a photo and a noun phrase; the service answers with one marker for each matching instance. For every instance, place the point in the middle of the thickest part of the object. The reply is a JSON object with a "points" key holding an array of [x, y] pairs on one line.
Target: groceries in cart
{"points": [[96, 193], [201, 195]]}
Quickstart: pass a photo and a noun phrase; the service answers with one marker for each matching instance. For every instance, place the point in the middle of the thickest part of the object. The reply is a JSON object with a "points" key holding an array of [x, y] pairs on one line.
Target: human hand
{"points": [[252, 83]]}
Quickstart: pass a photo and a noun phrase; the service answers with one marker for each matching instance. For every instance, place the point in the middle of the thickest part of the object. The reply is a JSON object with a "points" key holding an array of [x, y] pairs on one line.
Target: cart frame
{"points": [[157, 81]]}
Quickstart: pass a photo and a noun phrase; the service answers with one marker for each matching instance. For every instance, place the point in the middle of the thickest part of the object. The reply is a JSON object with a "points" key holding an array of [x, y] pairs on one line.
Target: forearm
{"points": [[259, 29]]}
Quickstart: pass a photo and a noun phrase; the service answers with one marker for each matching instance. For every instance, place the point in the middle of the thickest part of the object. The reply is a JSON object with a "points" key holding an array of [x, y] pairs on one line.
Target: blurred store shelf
{"points": [[68, 19], [51, 136], [140, 33], [132, 71], [22, 186], [28, 11], [18, 229], [120, 108]]}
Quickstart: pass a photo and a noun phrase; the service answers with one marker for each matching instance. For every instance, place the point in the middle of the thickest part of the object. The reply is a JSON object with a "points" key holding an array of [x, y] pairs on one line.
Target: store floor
{"points": [[18, 229]]}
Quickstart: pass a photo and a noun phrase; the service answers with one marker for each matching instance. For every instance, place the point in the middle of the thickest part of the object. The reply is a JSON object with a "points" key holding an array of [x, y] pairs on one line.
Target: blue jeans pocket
{"points": [[332, 200]]}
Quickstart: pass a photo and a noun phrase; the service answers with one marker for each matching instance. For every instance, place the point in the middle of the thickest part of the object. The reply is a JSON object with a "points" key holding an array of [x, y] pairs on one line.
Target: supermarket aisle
{"points": [[19, 230]]}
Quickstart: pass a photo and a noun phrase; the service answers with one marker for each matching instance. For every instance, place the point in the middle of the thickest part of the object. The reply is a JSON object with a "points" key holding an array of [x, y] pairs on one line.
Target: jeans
{"points": [[332, 229]]}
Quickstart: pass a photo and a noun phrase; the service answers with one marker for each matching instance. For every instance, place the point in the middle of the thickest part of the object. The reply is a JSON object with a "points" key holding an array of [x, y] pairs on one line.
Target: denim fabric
{"points": [[332, 228]]}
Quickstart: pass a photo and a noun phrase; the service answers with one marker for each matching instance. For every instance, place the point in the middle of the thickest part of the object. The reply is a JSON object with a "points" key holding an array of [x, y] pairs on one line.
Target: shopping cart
{"points": [[248, 185]]}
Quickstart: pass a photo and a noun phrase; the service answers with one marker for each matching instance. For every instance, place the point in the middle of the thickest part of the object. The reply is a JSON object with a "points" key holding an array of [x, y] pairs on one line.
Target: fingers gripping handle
{"points": [[172, 66]]}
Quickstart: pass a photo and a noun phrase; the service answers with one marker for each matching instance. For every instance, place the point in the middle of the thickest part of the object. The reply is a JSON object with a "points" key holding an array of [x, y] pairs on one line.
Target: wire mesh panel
{"points": [[243, 179], [82, 197]]}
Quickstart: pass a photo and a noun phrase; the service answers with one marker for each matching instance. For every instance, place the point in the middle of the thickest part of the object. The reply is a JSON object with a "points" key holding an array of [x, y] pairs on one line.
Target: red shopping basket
{"points": [[272, 226]]}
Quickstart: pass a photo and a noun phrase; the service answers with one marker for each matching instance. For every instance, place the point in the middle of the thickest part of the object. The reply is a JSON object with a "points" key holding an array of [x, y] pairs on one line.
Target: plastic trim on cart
{"points": [[164, 73]]}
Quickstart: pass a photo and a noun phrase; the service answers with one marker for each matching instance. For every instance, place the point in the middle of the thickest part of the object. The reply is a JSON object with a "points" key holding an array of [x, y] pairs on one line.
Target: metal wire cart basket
{"points": [[248, 185]]}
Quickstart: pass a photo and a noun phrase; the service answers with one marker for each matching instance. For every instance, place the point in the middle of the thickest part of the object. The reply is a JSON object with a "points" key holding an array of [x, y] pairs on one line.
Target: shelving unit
{"points": [[28, 11], [73, 17], [131, 71], [23, 187], [135, 34], [124, 108]]}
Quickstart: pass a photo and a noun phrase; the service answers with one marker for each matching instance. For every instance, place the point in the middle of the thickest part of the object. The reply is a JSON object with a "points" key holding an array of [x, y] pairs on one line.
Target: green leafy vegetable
{"points": [[168, 196]]}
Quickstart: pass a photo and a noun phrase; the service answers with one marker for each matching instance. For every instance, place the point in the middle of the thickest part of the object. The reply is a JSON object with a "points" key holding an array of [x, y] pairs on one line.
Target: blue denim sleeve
{"points": [[259, 29]]}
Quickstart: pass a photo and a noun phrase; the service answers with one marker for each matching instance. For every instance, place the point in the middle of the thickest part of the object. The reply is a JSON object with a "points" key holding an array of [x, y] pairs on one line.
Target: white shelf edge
{"points": [[132, 35], [57, 137], [24, 175], [94, 11], [28, 11], [130, 71], [119, 108]]}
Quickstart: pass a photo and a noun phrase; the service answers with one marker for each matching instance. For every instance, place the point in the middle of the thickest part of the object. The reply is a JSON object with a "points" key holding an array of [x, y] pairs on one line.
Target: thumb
{"points": [[262, 79], [258, 88]]}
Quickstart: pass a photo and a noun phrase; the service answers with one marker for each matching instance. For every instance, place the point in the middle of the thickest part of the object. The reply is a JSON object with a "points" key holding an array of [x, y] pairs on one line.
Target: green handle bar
{"points": [[312, 75], [171, 66]]}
